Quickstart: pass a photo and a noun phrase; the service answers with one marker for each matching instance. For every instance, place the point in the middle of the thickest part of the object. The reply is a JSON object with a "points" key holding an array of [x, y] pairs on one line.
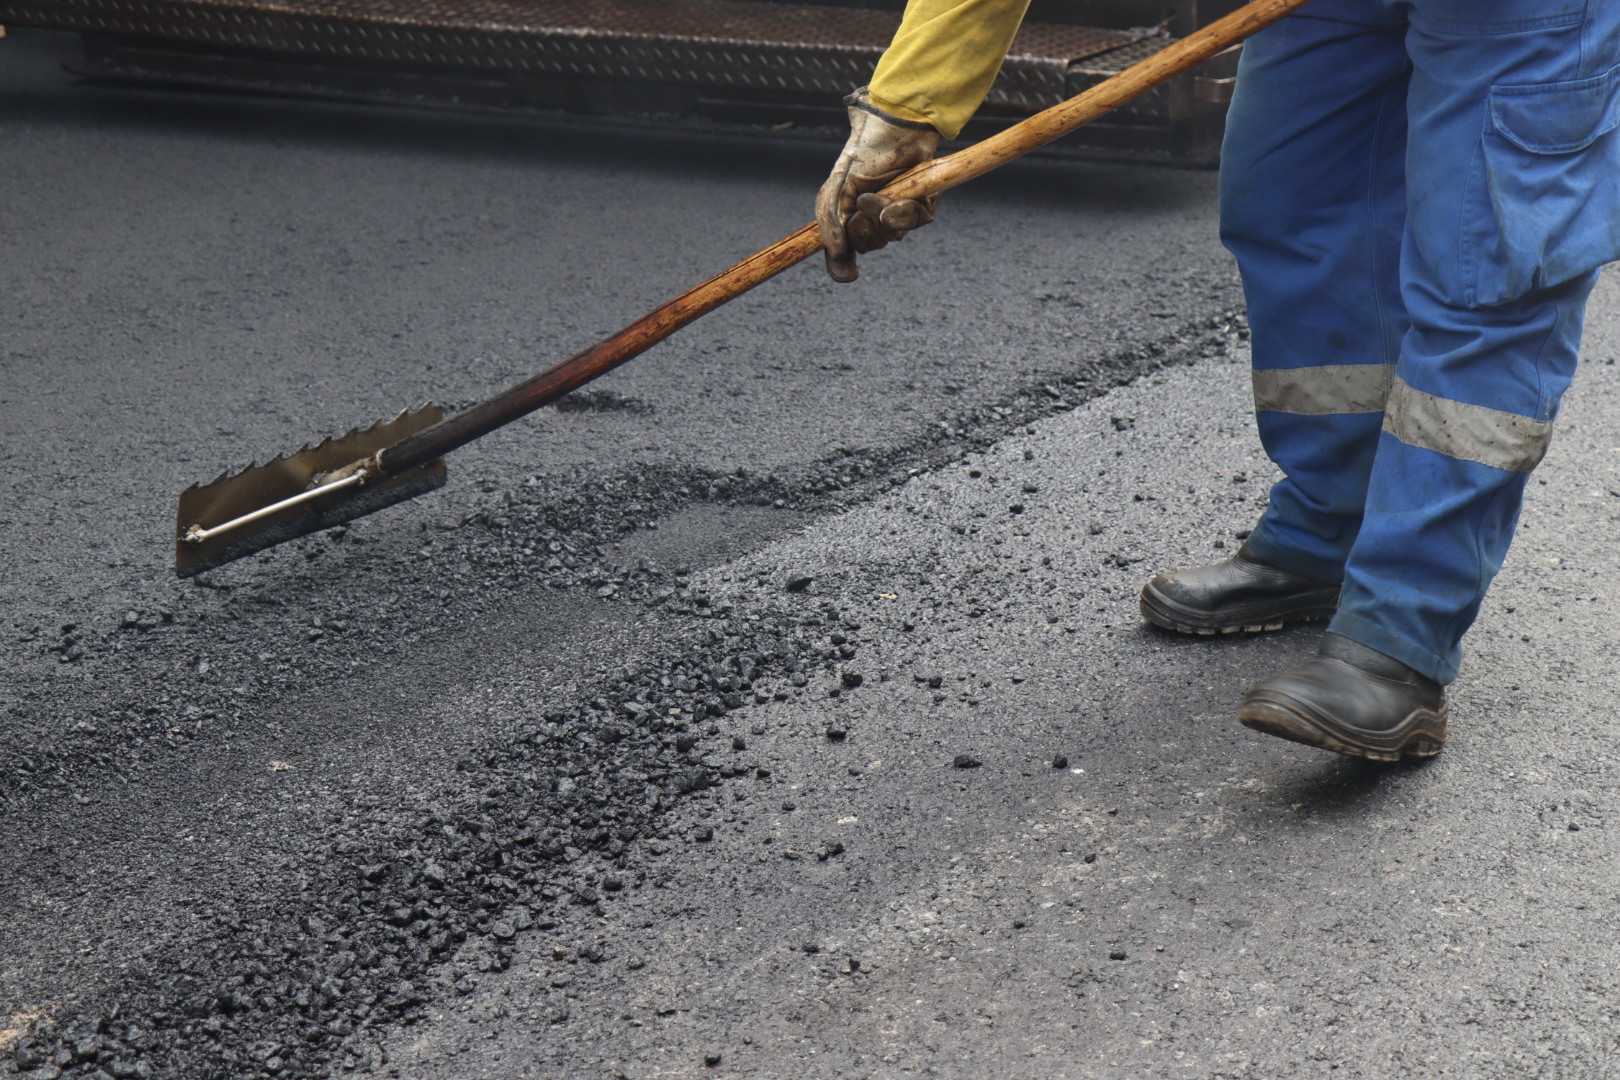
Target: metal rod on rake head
{"points": [[363, 471], [196, 535]]}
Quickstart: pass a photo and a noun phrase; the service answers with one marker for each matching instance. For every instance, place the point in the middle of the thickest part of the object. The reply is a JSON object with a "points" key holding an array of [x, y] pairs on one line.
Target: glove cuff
{"points": [[862, 99]]}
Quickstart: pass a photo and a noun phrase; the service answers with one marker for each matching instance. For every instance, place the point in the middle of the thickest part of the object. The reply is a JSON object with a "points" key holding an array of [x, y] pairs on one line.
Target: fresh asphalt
{"points": [[708, 725]]}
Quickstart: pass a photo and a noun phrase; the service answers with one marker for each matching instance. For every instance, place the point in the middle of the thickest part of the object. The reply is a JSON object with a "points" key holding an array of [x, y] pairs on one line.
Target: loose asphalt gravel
{"points": [[778, 706]]}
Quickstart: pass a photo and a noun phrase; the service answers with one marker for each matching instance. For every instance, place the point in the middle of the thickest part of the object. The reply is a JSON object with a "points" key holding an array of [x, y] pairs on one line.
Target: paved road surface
{"points": [[706, 727]]}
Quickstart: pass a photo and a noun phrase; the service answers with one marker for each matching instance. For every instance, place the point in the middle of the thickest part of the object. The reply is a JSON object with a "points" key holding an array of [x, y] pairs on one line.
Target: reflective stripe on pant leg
{"points": [[1502, 440], [1324, 390], [1312, 206]]}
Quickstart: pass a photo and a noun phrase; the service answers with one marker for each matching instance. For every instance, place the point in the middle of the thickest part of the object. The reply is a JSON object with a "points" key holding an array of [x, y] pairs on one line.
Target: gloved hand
{"points": [[853, 218]]}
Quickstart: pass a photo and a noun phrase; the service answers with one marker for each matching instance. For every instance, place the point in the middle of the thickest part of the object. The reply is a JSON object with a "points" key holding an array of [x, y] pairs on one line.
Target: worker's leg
{"points": [[1312, 205], [1513, 187]]}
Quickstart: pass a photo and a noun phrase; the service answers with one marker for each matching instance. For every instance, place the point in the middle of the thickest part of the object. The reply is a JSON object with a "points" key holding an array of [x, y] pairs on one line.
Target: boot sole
{"points": [[1166, 614], [1420, 735]]}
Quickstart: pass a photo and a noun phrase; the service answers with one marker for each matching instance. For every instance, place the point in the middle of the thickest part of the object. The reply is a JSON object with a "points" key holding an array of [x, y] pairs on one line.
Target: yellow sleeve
{"points": [[943, 59]]}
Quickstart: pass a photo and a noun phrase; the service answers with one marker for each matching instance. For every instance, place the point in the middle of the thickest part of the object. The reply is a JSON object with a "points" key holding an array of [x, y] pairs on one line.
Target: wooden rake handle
{"points": [[930, 178]]}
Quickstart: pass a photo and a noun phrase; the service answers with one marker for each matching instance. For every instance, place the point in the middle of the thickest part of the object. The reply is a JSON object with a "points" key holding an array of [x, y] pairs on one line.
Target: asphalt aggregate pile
{"points": [[776, 706]]}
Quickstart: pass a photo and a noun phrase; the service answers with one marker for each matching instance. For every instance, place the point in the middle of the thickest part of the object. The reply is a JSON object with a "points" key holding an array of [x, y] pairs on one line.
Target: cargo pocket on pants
{"points": [[1550, 207]]}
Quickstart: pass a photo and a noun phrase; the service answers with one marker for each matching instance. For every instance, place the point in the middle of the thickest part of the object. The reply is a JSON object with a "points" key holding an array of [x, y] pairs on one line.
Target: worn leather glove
{"points": [[853, 218]]}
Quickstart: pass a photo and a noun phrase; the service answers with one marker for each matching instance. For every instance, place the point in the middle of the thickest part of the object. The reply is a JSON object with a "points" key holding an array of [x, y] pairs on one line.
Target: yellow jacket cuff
{"points": [[943, 59]]}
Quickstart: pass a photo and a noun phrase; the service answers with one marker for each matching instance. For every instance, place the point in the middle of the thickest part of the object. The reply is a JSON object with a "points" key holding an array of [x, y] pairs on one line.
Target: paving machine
{"points": [[754, 65]]}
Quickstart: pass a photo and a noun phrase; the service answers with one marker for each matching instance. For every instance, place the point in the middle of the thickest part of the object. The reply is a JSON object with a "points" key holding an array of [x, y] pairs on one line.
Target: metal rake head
{"points": [[237, 514]]}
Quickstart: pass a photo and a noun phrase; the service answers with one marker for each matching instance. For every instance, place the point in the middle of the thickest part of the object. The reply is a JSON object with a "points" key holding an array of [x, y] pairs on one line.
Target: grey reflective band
{"points": [[1323, 391], [1502, 440]]}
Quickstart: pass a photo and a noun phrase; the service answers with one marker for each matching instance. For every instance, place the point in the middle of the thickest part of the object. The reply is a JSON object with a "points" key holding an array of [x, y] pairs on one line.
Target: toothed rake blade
{"points": [[235, 495]]}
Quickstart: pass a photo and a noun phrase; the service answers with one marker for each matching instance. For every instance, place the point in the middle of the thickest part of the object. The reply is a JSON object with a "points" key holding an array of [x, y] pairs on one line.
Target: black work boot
{"points": [[1351, 700], [1240, 593]]}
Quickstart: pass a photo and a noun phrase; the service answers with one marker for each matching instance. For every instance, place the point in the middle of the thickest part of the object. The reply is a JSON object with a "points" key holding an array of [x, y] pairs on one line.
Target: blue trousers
{"points": [[1419, 194]]}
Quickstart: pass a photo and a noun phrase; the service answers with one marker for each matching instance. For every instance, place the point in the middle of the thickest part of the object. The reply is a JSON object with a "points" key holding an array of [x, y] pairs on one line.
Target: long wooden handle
{"points": [[932, 177]]}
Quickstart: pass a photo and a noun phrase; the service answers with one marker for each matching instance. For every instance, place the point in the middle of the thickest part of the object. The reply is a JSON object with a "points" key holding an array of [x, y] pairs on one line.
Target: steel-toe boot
{"points": [[1237, 594], [1351, 700]]}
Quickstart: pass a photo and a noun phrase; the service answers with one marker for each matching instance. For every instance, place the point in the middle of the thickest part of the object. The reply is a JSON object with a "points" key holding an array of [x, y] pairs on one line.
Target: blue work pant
{"points": [[1419, 195]]}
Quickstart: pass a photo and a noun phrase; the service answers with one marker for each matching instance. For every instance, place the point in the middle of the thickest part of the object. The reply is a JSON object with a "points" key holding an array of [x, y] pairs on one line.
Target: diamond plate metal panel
{"points": [[740, 44]]}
